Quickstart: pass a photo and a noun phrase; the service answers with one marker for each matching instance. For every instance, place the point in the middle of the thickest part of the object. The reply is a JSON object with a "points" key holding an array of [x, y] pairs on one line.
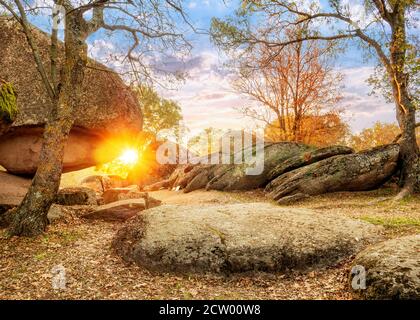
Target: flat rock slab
{"points": [[239, 238], [392, 269], [116, 194], [117, 211]]}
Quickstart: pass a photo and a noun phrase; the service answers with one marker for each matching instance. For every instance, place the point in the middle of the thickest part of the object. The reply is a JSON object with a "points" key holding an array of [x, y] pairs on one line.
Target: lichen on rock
{"points": [[8, 101]]}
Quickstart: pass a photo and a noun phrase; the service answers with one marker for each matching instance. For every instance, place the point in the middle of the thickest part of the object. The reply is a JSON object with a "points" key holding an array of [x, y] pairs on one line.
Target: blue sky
{"points": [[206, 97], [208, 100]]}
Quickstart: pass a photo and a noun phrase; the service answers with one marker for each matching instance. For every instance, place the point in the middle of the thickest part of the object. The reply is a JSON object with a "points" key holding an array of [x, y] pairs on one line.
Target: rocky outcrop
{"points": [[101, 182], [239, 237], [108, 107], [118, 211], [293, 172], [354, 172], [391, 268], [307, 158], [229, 177], [76, 196]]}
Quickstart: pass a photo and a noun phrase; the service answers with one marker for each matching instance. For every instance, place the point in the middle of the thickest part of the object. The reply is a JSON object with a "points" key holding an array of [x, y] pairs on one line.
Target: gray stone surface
{"points": [[392, 269], [238, 238]]}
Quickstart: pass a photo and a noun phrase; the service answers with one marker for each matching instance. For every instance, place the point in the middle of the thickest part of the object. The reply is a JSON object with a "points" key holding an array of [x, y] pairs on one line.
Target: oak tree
{"points": [[149, 24], [381, 27]]}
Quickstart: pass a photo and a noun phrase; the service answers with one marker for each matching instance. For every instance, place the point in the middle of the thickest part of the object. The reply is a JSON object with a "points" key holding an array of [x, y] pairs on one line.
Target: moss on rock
{"points": [[8, 101]]}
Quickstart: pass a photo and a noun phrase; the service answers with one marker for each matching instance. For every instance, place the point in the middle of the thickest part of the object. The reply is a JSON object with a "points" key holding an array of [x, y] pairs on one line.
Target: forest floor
{"points": [[93, 271]]}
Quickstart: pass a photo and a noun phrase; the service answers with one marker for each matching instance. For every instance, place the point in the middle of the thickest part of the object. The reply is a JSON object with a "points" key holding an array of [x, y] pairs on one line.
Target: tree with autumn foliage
{"points": [[295, 89], [317, 130], [379, 134], [384, 28]]}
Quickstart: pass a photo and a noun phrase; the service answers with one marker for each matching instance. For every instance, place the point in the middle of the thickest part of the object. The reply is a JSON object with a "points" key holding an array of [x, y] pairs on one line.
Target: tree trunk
{"points": [[409, 151], [31, 216]]}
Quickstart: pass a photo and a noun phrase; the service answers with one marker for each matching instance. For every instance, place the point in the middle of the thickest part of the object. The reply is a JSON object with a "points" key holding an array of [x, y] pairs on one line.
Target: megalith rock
{"points": [[239, 238], [349, 172], [108, 108], [391, 270]]}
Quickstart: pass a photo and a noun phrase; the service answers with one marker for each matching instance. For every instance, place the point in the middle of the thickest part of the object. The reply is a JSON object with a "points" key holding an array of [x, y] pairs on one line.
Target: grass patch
{"points": [[69, 237], [40, 256], [394, 222]]}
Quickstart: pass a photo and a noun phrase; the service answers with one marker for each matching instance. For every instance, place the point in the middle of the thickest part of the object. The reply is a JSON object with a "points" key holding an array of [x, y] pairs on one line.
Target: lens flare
{"points": [[129, 157]]}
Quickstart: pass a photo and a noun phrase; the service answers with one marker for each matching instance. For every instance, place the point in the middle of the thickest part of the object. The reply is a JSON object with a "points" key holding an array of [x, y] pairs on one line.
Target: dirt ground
{"points": [[92, 271]]}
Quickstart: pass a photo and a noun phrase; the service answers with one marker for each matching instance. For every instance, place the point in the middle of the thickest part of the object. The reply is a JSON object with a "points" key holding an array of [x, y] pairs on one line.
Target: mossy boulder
{"points": [[392, 269], [239, 238]]}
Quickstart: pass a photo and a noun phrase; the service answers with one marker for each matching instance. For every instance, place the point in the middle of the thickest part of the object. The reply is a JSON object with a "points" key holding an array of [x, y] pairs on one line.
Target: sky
{"points": [[207, 98]]}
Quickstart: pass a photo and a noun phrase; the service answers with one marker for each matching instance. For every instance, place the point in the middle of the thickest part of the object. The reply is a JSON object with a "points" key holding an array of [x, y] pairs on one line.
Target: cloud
{"points": [[192, 5], [208, 100], [361, 108]]}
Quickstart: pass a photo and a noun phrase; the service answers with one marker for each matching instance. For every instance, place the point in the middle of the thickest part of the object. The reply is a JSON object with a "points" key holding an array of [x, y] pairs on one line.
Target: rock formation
{"points": [[239, 238], [293, 171], [108, 107], [391, 270], [353, 172]]}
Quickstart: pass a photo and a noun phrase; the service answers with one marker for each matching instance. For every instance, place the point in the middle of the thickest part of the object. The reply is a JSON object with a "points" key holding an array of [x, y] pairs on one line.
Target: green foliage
{"points": [[231, 33], [8, 101], [380, 82], [158, 113], [392, 222]]}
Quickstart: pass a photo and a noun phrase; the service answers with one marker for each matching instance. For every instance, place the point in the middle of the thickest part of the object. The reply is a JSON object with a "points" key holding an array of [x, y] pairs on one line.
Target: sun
{"points": [[129, 157]]}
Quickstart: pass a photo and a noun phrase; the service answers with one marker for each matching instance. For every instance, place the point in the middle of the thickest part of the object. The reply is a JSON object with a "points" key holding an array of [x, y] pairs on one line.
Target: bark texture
{"points": [[353, 172], [406, 111], [31, 216]]}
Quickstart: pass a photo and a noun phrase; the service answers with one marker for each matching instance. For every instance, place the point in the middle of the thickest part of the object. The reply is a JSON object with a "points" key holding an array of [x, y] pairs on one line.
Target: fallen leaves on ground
{"points": [[93, 271]]}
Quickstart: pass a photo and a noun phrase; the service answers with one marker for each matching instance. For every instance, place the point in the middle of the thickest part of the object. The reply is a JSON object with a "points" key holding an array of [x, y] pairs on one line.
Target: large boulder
{"points": [[391, 268], [229, 177], [349, 172], [107, 108], [238, 238], [12, 189]]}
